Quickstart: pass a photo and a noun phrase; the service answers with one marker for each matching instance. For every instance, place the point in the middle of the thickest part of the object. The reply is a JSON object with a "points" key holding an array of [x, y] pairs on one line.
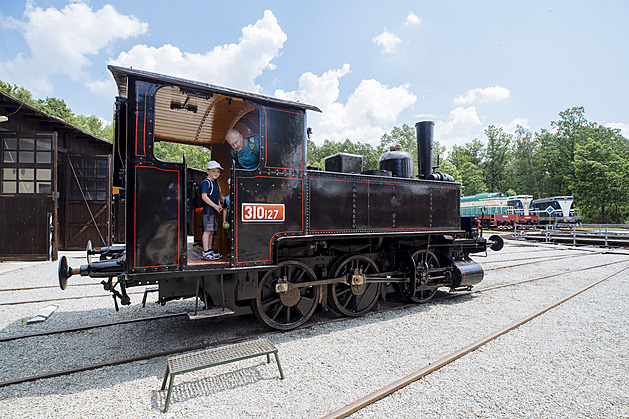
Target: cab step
{"points": [[211, 312]]}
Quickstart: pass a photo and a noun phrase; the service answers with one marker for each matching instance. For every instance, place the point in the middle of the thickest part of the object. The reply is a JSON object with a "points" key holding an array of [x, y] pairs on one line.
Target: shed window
{"points": [[9, 156], [9, 174], [27, 165], [92, 175], [9, 143], [9, 187]]}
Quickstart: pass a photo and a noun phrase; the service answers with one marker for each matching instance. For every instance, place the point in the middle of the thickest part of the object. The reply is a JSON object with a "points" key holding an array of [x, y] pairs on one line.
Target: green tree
{"points": [[18, 92], [524, 166], [94, 125], [557, 151], [316, 155], [57, 108], [472, 179], [472, 152], [196, 157], [601, 175], [497, 158]]}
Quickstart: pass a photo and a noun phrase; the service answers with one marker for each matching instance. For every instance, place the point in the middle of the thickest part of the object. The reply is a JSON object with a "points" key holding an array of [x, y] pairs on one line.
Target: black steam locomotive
{"points": [[298, 237]]}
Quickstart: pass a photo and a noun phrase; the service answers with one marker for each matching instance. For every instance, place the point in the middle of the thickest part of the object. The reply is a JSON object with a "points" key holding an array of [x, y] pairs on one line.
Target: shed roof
{"points": [[42, 117]]}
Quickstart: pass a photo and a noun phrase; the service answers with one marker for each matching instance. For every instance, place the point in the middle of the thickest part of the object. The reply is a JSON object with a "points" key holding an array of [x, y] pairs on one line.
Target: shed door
{"points": [[87, 207], [27, 195]]}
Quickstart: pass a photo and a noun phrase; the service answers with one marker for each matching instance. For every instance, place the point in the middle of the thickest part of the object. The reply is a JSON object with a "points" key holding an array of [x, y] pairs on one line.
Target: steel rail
{"points": [[403, 382], [542, 258], [255, 335], [541, 261], [133, 359], [47, 286], [79, 297], [93, 326], [172, 315]]}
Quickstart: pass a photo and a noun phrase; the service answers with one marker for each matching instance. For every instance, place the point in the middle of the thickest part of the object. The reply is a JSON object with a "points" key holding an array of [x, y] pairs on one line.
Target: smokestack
{"points": [[425, 133]]}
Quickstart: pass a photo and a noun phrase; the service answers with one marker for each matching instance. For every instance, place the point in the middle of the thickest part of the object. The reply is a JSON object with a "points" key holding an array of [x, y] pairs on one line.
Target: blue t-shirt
{"points": [[210, 187], [249, 156]]}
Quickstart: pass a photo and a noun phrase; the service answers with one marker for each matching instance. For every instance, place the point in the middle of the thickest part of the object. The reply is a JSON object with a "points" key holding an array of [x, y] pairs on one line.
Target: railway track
{"points": [[50, 300], [535, 260], [248, 336], [182, 314], [433, 366], [49, 287]]}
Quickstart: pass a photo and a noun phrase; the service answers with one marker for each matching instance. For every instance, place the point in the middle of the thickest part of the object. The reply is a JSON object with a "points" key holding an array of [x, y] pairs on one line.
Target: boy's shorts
{"points": [[210, 222]]}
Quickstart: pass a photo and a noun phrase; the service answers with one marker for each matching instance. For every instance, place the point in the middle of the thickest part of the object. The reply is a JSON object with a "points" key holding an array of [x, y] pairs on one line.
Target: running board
{"points": [[212, 312]]}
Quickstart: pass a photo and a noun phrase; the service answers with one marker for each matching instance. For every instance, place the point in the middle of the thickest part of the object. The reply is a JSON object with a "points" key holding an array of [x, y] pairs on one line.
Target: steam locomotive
{"points": [[299, 238]]}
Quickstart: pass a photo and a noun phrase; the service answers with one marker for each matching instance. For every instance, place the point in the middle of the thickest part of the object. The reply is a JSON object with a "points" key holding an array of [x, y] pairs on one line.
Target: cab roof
{"points": [[197, 113]]}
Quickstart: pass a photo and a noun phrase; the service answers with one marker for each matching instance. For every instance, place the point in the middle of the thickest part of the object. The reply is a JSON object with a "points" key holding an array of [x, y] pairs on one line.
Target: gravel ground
{"points": [[570, 362]]}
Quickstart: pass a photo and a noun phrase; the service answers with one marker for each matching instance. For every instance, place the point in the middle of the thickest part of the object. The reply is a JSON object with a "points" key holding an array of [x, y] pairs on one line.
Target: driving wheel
{"points": [[357, 296], [283, 307], [423, 259]]}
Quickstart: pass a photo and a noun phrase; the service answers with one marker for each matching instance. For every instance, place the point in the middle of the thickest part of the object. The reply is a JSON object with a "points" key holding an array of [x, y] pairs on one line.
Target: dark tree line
{"points": [[575, 157]]}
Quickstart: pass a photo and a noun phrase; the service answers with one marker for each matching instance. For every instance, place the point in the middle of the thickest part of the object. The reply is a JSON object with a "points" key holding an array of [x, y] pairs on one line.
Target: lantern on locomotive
{"points": [[298, 238]]}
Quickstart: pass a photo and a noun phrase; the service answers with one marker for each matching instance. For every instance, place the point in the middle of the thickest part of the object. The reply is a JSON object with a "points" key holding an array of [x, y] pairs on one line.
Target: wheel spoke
{"points": [[347, 301], [423, 258], [343, 293], [283, 311], [278, 310], [287, 310], [267, 303], [341, 296]]}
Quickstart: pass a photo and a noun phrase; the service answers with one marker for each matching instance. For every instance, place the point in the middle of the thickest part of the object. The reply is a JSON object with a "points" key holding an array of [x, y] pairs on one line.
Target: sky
{"points": [[369, 66]]}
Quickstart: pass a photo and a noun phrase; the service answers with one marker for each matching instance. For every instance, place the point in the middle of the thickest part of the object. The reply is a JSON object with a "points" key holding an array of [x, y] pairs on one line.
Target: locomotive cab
{"points": [[159, 211]]}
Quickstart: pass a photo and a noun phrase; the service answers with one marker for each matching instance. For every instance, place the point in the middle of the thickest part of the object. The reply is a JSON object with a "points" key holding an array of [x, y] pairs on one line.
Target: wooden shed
{"points": [[55, 188]]}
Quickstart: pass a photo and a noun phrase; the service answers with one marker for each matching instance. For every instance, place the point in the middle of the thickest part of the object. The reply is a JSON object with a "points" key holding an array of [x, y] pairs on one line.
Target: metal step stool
{"points": [[217, 356]]}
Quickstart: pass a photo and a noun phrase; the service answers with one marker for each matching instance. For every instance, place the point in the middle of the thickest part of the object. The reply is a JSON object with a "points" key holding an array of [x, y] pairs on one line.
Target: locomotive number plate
{"points": [[263, 213]]}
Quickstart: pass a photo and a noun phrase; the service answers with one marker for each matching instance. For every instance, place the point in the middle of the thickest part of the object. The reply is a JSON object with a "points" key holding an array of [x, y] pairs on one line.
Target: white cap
{"points": [[213, 165]]}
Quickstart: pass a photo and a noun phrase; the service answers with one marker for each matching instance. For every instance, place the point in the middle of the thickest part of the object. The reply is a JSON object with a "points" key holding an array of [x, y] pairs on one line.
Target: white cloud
{"points": [[105, 88], [511, 127], [624, 128], [60, 41], [486, 95], [314, 90], [233, 65], [370, 111], [387, 41], [463, 126], [412, 19]]}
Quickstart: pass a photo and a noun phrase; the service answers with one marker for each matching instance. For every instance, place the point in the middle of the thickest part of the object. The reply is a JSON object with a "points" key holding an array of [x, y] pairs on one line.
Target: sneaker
{"points": [[210, 255]]}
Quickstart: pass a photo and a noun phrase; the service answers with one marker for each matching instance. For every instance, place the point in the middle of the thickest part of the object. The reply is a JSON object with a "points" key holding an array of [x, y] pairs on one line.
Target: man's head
{"points": [[235, 140]]}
